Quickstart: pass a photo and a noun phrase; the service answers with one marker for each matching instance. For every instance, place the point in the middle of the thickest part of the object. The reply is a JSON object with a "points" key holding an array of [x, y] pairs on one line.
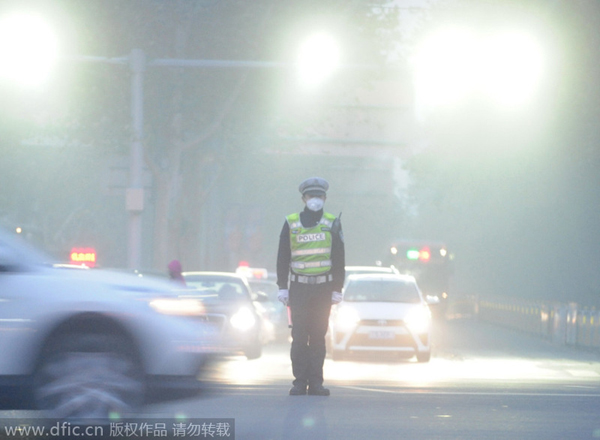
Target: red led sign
{"points": [[83, 256]]}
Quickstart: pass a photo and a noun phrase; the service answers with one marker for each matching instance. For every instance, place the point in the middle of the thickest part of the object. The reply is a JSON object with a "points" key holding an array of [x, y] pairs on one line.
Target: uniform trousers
{"points": [[310, 305]]}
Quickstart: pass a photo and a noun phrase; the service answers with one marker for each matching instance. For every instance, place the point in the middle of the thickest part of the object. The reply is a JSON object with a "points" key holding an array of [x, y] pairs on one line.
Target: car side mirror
{"points": [[260, 297]]}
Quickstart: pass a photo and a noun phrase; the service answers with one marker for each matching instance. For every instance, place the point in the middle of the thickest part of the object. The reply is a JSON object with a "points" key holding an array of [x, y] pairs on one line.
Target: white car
{"points": [[381, 313], [93, 343]]}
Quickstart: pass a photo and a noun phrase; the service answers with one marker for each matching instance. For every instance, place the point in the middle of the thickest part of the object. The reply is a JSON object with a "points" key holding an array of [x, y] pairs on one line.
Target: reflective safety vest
{"points": [[311, 247]]}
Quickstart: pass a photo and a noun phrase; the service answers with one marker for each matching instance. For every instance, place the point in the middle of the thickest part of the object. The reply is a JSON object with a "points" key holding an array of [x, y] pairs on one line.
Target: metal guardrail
{"points": [[566, 324]]}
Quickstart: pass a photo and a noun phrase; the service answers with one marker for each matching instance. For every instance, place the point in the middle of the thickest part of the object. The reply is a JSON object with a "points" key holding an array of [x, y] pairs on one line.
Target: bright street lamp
{"points": [[455, 64], [443, 68], [28, 48], [513, 66], [318, 58]]}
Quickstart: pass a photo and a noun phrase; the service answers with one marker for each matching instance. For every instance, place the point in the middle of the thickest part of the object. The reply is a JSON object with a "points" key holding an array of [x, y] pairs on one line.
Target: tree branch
{"points": [[217, 122]]}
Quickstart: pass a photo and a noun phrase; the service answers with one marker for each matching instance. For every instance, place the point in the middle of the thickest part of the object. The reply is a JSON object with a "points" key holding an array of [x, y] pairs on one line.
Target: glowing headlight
{"points": [[418, 320], [243, 319], [346, 318], [177, 306]]}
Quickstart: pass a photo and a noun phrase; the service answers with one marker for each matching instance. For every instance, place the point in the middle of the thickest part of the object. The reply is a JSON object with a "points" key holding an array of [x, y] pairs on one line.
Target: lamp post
{"points": [[134, 194]]}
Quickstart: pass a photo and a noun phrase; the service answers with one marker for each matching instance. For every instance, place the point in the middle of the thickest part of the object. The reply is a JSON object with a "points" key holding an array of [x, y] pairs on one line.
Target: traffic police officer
{"points": [[310, 275]]}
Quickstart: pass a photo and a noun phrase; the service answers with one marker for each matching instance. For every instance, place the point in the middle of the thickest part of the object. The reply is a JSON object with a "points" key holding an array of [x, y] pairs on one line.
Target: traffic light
{"points": [[423, 254]]}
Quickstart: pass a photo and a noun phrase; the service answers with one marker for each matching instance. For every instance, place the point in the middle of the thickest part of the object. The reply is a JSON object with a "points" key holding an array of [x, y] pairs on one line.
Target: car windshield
{"points": [[381, 291], [16, 250], [271, 289], [366, 270], [362, 270], [217, 290]]}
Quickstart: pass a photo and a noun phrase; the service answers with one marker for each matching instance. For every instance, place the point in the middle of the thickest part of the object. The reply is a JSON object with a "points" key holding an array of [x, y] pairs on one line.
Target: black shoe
{"points": [[298, 390], [318, 390]]}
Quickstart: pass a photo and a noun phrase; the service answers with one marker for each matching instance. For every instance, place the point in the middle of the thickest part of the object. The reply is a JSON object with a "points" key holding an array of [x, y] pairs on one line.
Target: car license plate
{"points": [[381, 334]]}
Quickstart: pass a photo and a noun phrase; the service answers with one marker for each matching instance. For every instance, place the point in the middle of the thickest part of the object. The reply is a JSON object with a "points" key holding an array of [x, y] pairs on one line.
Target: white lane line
{"points": [[583, 373], [472, 393]]}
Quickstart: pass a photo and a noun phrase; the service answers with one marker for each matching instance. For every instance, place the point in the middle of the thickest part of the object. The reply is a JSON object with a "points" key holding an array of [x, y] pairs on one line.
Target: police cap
{"points": [[314, 186]]}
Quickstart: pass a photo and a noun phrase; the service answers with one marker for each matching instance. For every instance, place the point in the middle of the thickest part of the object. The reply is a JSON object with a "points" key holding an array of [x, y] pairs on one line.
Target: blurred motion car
{"points": [[93, 343], [381, 313], [228, 301]]}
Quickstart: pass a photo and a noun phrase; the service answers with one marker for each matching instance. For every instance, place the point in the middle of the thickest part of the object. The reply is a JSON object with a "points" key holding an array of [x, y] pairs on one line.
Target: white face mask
{"points": [[315, 204]]}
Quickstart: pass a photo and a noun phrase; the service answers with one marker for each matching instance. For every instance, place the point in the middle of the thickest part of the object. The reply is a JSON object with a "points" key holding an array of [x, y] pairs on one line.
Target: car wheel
{"points": [[254, 351], [424, 356], [88, 376]]}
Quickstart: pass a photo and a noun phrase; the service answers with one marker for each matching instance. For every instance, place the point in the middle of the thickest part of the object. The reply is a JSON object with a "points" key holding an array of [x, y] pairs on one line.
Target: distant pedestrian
{"points": [[175, 272], [310, 275]]}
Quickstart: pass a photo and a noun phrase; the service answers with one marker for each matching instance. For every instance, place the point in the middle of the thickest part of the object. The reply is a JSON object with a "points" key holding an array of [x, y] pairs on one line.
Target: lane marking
{"points": [[472, 393], [583, 373]]}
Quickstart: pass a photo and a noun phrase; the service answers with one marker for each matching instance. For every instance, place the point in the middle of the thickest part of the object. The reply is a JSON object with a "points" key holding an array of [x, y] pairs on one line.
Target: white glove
{"points": [[283, 296], [336, 298]]}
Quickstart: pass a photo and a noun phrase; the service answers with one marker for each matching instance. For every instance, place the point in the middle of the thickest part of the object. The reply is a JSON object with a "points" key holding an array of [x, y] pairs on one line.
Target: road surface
{"points": [[483, 382]]}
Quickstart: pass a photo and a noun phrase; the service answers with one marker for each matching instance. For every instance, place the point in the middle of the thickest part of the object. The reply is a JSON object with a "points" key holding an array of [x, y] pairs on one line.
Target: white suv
{"points": [[93, 343]]}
